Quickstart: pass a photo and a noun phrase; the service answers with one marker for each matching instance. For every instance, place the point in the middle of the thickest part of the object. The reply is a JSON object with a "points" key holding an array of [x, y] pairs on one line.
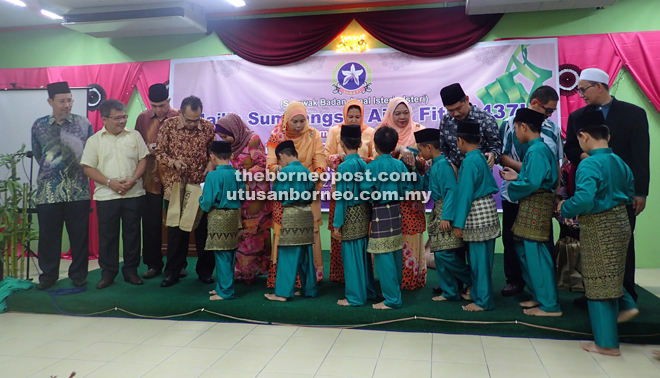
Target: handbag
{"points": [[568, 265], [183, 211]]}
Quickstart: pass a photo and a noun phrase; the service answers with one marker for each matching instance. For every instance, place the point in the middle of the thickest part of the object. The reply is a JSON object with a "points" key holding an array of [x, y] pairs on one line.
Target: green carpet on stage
{"points": [[190, 294]]}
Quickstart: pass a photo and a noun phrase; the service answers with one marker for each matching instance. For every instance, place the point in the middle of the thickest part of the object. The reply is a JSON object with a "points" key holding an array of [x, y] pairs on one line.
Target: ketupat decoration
{"points": [[506, 89]]}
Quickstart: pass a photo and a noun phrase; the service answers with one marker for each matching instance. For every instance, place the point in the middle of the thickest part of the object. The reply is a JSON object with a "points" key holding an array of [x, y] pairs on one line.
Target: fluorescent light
{"points": [[236, 3], [17, 2], [52, 15]]}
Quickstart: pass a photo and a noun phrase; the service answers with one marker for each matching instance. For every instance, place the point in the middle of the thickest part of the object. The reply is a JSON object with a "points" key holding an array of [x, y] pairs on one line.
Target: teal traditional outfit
{"points": [[603, 186], [534, 189], [223, 220], [295, 251], [440, 180], [385, 239], [353, 216], [476, 214]]}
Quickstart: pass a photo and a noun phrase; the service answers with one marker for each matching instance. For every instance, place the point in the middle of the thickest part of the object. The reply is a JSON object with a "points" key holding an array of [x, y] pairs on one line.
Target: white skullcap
{"points": [[595, 75]]}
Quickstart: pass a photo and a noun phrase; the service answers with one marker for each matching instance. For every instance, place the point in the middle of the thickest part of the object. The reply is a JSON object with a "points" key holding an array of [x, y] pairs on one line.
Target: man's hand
{"points": [[128, 183], [508, 174], [152, 148], [491, 159], [119, 187], [639, 204], [337, 231], [445, 225], [209, 168], [180, 166], [458, 232], [407, 157]]}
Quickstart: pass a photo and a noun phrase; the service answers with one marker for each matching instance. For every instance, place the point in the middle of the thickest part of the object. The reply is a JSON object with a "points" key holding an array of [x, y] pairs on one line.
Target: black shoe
{"points": [[105, 282], [184, 273], [207, 280], [151, 273], [134, 279], [581, 302], [79, 283], [437, 290], [169, 281], [512, 289], [45, 285]]}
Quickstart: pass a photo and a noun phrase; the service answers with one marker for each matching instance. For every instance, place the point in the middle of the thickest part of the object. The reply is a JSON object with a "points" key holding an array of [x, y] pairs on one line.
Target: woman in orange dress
{"points": [[294, 125], [353, 115], [399, 117]]}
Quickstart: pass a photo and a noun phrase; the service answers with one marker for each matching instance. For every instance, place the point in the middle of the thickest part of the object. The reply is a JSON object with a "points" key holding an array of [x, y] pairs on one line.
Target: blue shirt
{"points": [[602, 182], [539, 171], [475, 180], [441, 181], [221, 185], [284, 188], [58, 150], [388, 190], [354, 164]]}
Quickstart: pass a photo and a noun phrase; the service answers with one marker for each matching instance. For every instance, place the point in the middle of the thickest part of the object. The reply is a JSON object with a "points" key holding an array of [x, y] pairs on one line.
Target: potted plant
{"points": [[15, 230]]}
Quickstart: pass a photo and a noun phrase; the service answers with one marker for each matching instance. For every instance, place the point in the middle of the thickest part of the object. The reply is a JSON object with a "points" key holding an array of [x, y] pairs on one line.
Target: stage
{"points": [[188, 300]]}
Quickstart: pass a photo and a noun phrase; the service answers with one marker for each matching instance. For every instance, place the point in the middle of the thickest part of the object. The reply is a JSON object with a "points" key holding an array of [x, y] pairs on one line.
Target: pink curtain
{"points": [[23, 78], [640, 53], [153, 72]]}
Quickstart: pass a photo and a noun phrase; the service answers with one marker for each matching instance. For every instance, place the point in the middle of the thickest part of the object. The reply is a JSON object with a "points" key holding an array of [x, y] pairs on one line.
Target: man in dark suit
{"points": [[629, 139]]}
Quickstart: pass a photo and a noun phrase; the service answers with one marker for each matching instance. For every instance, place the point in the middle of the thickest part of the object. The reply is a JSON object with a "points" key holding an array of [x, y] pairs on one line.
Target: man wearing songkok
{"points": [[62, 194], [629, 131], [440, 179], [534, 187], [220, 199], [385, 239], [148, 124], [183, 150], [604, 185], [476, 220], [543, 100], [351, 221], [115, 158], [460, 109], [295, 251]]}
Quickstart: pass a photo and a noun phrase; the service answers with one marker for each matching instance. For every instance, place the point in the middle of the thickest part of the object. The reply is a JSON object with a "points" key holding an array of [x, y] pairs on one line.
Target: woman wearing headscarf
{"points": [[253, 255], [294, 126], [399, 117], [353, 115]]}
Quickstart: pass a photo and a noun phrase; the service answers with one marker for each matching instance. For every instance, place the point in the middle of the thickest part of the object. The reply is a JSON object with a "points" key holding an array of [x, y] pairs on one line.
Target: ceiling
{"points": [[12, 16]]}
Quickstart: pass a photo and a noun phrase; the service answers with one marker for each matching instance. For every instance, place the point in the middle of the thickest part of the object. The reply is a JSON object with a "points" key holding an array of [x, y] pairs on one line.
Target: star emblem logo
{"points": [[353, 74]]}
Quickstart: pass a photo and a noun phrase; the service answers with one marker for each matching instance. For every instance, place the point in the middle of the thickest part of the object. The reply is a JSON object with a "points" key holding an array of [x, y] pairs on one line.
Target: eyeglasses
{"points": [[548, 111], [65, 101], [191, 121], [119, 118], [582, 90]]}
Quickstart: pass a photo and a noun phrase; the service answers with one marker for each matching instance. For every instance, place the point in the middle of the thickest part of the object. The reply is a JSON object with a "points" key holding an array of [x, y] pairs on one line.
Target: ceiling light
{"points": [[236, 3], [17, 2], [51, 15]]}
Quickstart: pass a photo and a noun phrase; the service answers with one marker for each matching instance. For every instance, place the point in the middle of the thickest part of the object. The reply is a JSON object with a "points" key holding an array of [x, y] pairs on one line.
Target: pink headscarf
{"points": [[241, 132], [407, 132]]}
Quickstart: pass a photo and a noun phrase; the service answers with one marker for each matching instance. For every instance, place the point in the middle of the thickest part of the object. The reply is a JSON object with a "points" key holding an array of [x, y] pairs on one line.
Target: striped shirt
{"points": [[511, 146]]}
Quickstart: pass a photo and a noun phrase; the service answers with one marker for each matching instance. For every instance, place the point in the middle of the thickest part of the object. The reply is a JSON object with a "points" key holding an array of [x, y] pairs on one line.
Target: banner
{"points": [[497, 76]]}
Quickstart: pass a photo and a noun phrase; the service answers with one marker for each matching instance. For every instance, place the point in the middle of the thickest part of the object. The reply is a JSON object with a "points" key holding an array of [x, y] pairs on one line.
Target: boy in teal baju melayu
{"points": [[476, 220], [351, 222], [533, 187], [220, 199], [385, 239], [441, 181], [604, 185], [295, 251]]}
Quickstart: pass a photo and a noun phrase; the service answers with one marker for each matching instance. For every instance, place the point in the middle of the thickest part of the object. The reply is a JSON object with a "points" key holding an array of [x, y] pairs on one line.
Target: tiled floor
{"points": [[41, 346]]}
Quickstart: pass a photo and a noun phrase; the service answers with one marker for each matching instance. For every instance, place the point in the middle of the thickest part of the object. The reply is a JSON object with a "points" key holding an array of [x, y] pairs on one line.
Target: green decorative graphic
{"points": [[506, 89]]}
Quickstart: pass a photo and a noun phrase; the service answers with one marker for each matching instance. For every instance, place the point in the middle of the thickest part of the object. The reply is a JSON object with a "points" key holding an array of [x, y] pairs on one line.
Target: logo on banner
{"points": [[351, 78]]}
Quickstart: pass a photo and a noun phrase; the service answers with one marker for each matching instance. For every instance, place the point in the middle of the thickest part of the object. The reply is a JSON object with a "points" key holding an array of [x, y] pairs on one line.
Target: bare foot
{"points": [[472, 308], [625, 316], [593, 348], [212, 292], [439, 298], [381, 306], [297, 293], [466, 295], [273, 297], [343, 302], [538, 312], [656, 352], [216, 298], [529, 304]]}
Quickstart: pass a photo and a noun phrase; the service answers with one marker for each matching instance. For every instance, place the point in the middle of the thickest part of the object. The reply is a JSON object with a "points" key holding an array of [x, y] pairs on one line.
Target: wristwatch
{"points": [[108, 183]]}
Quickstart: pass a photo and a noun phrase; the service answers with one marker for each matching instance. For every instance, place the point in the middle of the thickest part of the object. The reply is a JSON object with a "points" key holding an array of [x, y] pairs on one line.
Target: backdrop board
{"points": [[19, 108], [497, 76]]}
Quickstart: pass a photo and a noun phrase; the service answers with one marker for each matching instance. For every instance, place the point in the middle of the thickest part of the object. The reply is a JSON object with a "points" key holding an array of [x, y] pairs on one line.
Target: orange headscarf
{"points": [[304, 141], [407, 132], [358, 103]]}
